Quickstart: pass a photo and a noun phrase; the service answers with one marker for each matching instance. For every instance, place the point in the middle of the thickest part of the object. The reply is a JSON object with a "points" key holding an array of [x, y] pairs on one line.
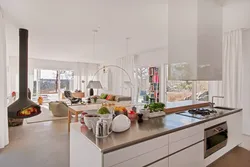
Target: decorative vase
{"points": [[95, 100], [40, 100]]}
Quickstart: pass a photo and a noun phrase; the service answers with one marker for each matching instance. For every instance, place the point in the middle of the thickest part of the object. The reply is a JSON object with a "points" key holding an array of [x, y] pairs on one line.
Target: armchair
{"points": [[69, 96]]}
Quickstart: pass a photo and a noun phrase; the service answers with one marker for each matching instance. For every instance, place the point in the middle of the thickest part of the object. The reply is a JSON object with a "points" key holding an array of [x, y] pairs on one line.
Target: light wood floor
{"points": [[47, 145], [238, 157]]}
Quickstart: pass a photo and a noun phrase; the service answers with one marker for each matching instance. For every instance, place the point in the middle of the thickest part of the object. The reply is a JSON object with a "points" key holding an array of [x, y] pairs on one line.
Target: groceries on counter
{"points": [[132, 115], [120, 110], [103, 110], [140, 120]]}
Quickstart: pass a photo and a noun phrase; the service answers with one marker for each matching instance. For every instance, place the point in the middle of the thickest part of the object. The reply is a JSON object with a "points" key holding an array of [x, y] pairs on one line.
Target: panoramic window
{"points": [[202, 91], [179, 90], [185, 90], [50, 84]]}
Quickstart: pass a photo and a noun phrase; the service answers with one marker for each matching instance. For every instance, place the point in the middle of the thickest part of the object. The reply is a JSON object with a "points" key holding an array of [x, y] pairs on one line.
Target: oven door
{"points": [[215, 138]]}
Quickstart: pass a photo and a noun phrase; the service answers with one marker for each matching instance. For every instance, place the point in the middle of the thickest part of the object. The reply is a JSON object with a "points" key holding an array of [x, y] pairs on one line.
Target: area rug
{"points": [[46, 115]]}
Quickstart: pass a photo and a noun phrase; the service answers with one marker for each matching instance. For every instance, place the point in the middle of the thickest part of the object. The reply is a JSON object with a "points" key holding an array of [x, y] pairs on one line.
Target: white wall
{"points": [[236, 14], [155, 57], [11, 50]]}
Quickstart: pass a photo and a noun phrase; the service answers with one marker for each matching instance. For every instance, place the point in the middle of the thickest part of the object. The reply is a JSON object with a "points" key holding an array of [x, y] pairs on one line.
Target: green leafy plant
{"points": [[155, 107]]}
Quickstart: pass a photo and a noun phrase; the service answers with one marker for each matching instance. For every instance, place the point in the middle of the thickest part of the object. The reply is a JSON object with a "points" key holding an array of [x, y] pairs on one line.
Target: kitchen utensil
{"points": [[102, 128], [121, 123], [145, 113], [140, 120], [90, 120], [108, 118]]}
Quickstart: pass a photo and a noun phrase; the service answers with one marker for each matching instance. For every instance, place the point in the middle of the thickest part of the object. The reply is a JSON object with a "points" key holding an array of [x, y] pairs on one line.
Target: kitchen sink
{"points": [[223, 108]]}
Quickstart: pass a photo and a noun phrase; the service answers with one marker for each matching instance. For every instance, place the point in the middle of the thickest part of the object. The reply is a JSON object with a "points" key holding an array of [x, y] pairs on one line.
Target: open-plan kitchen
{"points": [[94, 83]]}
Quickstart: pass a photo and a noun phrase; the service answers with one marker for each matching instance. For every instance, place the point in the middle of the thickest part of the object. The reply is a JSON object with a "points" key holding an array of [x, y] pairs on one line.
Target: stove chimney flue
{"points": [[23, 63]]}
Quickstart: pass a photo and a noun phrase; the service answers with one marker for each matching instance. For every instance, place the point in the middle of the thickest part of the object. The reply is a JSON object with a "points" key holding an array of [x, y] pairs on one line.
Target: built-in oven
{"points": [[215, 138]]}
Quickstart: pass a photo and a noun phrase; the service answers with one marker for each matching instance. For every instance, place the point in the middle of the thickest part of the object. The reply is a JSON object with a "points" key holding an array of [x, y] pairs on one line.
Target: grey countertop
{"points": [[149, 129]]}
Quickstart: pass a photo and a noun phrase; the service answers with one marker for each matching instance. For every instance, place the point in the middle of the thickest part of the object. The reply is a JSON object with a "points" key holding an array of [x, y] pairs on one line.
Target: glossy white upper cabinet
{"points": [[195, 40]]}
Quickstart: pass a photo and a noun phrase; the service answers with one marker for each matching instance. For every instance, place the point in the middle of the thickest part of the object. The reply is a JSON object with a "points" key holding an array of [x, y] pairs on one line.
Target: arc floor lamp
{"points": [[97, 84]]}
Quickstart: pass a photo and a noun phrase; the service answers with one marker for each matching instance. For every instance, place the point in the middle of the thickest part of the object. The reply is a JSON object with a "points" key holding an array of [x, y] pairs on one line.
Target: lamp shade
{"points": [[94, 85]]}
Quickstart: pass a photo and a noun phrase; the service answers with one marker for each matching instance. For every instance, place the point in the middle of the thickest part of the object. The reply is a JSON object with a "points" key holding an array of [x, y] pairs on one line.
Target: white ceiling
{"points": [[62, 29]]}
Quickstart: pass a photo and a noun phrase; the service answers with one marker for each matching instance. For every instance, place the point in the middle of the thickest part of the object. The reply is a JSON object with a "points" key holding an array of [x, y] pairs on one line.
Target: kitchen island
{"points": [[170, 141]]}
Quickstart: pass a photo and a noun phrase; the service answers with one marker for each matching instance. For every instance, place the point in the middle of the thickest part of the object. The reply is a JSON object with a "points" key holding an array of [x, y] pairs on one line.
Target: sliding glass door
{"points": [[50, 84], [66, 81]]}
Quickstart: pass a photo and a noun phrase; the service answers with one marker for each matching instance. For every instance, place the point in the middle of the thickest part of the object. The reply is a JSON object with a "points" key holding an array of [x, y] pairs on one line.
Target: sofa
{"points": [[58, 108], [116, 98]]}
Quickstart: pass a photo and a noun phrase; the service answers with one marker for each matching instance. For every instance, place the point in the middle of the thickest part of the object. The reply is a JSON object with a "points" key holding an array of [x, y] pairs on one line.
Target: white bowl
{"points": [[121, 123], [90, 122]]}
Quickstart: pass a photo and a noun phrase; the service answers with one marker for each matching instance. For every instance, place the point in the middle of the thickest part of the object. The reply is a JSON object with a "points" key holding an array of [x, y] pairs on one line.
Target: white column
{"points": [[38, 83], [4, 138], [80, 76], [59, 85], [162, 83]]}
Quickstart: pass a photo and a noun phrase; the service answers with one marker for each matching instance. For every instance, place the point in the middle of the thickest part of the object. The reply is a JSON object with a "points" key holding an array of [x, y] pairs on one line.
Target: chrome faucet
{"points": [[212, 104]]}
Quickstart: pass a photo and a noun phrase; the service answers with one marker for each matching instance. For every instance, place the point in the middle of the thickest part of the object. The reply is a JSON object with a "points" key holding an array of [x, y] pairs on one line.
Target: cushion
{"points": [[103, 96], [98, 97], [110, 98], [119, 98]]}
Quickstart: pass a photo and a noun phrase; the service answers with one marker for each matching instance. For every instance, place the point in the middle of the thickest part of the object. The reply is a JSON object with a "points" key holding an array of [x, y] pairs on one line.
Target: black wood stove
{"points": [[23, 107]]}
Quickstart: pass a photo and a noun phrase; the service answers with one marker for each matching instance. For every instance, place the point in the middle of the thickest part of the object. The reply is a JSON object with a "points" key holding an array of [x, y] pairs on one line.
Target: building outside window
{"points": [[187, 90], [179, 90]]}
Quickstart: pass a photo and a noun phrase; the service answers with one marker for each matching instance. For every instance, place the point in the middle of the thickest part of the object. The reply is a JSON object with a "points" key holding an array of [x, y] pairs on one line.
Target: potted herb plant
{"points": [[156, 109]]}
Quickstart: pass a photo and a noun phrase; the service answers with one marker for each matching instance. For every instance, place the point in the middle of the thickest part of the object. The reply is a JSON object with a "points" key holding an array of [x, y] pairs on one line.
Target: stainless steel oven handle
{"points": [[218, 129]]}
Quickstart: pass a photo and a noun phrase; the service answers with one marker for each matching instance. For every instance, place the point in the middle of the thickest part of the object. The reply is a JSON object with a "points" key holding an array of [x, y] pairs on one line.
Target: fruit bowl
{"points": [[120, 110]]}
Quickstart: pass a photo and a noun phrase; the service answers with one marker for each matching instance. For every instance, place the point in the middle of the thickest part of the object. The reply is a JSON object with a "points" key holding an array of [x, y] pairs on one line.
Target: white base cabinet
{"points": [[190, 157], [161, 163], [234, 123], [184, 148]]}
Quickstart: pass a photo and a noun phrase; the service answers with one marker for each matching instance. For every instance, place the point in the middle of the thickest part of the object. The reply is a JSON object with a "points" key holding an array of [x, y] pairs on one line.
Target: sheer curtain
{"points": [[232, 68], [246, 82], [3, 85], [128, 64], [232, 81]]}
